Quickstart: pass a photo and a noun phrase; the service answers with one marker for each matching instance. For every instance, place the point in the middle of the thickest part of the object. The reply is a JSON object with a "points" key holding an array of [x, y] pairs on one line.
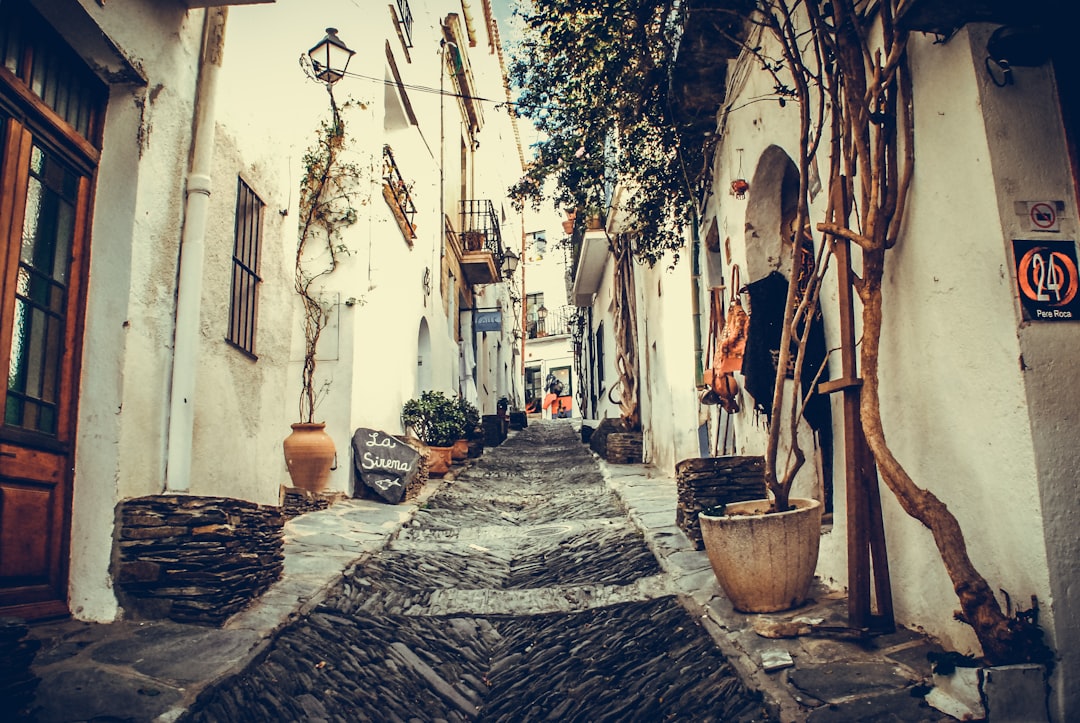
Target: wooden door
{"points": [[43, 210], [52, 111]]}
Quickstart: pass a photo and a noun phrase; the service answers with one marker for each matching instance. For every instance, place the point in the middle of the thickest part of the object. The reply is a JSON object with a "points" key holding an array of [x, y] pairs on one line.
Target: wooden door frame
{"points": [[33, 451]]}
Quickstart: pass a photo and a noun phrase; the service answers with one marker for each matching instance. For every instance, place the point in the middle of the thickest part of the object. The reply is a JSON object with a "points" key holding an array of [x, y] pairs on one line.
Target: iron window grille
{"points": [[398, 193], [247, 247], [405, 20]]}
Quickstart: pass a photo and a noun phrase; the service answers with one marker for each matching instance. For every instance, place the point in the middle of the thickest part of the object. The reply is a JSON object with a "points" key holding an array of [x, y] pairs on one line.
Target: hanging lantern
{"points": [[330, 57]]}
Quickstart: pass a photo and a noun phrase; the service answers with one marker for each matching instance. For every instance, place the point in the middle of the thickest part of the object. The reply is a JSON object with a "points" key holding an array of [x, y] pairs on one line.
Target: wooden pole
{"points": [[867, 557]]}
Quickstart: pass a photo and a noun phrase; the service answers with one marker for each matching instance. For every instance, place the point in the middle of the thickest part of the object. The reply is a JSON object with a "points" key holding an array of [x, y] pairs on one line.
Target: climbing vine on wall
{"points": [[329, 196]]}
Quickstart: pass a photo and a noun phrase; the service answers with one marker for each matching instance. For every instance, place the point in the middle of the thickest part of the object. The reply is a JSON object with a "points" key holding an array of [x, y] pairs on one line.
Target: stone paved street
{"points": [[540, 583], [520, 591]]}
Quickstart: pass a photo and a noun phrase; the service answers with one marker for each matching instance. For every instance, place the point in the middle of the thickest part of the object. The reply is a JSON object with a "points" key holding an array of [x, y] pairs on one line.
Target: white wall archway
{"points": [[425, 362], [770, 211]]}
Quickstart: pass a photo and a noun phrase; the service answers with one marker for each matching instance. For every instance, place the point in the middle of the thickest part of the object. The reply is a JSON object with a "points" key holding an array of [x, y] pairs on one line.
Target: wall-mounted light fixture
{"points": [[330, 57], [1011, 47], [509, 263]]}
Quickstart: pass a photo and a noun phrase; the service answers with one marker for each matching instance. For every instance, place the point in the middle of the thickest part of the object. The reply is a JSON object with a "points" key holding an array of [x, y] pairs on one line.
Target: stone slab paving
{"points": [[475, 649], [880, 678], [507, 597], [153, 671]]}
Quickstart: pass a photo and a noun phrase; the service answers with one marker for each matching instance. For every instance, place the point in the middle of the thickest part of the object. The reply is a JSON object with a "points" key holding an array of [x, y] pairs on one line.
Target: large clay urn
{"points": [[309, 455], [764, 562]]}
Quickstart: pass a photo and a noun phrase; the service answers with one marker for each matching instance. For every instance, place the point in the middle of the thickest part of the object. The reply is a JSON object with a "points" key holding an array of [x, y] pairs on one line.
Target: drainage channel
{"points": [[520, 596]]}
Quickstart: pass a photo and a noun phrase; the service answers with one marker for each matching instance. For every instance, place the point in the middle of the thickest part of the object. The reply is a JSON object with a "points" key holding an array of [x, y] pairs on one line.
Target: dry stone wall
{"points": [[195, 559]]}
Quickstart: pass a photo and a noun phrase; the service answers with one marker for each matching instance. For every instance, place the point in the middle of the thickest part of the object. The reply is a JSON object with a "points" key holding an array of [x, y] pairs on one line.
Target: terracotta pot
{"points": [[439, 460], [764, 562], [459, 450], [309, 455]]}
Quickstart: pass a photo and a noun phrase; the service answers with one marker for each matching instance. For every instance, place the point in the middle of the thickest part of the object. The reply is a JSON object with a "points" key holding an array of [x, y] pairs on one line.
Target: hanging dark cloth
{"points": [[767, 299]]}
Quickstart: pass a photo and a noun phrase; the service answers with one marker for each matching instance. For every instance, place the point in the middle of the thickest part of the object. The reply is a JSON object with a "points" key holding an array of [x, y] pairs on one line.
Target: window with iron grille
{"points": [[405, 20], [247, 248]]}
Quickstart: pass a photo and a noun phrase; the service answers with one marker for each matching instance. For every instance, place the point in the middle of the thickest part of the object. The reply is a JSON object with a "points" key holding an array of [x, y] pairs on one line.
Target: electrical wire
{"points": [[437, 91]]}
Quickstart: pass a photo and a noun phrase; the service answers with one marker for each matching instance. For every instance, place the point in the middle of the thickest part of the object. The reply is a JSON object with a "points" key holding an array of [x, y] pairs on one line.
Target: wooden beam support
{"points": [[867, 559]]}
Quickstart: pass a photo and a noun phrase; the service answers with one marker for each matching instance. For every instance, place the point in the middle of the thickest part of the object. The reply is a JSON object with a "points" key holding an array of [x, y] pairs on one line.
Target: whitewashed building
{"points": [[980, 341], [152, 154]]}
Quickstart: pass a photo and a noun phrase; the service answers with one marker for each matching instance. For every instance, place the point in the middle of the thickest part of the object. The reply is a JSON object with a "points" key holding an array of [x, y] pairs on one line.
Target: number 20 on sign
{"points": [[1047, 280]]}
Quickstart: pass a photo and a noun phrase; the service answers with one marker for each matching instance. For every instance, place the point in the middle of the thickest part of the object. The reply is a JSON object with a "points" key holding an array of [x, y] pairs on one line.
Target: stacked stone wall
{"points": [[195, 559]]}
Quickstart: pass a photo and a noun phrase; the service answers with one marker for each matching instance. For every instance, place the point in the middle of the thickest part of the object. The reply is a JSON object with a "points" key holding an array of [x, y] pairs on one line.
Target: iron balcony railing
{"points": [[554, 322], [400, 195], [480, 229]]}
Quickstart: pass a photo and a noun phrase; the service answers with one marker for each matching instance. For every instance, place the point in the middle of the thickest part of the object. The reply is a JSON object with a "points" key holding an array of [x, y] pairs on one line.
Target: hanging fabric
{"points": [[736, 327], [716, 313], [727, 337]]}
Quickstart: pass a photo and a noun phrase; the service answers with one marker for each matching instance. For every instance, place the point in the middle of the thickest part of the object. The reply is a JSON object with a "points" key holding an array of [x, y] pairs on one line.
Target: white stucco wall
{"points": [[953, 393], [666, 360], [267, 112], [127, 338], [1026, 152]]}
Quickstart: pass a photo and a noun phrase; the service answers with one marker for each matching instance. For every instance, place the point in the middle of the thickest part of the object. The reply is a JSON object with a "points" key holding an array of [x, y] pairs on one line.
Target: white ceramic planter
{"points": [[764, 562]]}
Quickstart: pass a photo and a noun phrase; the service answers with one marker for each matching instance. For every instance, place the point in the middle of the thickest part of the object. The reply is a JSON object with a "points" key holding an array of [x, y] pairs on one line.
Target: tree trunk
{"points": [[1004, 640]]}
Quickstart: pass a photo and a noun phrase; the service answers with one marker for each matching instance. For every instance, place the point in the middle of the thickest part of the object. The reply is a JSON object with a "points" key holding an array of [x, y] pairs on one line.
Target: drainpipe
{"points": [[189, 278]]}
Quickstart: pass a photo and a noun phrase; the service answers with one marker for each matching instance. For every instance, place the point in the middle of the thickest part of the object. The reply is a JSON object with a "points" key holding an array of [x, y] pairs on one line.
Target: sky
{"points": [[503, 10]]}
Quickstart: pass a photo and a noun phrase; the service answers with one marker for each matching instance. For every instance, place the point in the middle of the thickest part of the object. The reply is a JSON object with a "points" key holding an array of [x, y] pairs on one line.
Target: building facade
{"points": [[153, 156], [979, 339]]}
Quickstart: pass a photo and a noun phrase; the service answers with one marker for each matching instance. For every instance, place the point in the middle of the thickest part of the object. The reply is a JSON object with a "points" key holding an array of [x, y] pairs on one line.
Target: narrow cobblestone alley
{"points": [[519, 592]]}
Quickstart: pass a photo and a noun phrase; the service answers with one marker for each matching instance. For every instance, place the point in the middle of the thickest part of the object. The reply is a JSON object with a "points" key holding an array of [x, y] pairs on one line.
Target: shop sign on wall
{"points": [[1047, 280], [487, 321]]}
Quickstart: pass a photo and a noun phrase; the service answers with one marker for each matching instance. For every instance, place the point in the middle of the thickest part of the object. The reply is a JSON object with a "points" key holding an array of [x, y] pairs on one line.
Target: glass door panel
{"points": [[41, 295]]}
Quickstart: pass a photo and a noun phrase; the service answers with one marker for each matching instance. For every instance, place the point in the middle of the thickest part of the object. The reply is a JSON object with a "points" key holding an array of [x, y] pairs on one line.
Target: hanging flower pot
{"points": [[739, 187], [309, 455]]}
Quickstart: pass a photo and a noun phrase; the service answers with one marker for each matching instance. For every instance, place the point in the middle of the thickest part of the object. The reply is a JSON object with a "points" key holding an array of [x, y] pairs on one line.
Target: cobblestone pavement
{"points": [[520, 592]]}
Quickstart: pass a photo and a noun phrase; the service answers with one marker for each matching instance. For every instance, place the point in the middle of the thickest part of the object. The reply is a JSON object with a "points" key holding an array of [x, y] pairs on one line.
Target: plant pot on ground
{"points": [[438, 421], [764, 561], [309, 456]]}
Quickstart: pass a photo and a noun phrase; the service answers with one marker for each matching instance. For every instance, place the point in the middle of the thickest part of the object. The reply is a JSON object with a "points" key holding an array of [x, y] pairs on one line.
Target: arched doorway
{"points": [[424, 362], [771, 216], [770, 212]]}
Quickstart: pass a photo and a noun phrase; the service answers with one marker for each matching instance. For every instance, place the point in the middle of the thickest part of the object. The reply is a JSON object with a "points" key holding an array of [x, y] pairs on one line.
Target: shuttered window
{"points": [[243, 311]]}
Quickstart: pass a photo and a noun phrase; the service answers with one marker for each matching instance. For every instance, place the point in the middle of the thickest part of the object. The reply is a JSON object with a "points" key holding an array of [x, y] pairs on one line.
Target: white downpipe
{"points": [[192, 247]]}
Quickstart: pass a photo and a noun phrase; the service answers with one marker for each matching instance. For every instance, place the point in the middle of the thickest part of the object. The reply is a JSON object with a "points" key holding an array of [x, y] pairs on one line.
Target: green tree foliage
{"points": [[594, 77]]}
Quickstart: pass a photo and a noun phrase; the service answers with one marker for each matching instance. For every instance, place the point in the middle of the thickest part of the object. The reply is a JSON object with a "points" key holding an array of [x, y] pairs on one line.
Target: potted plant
{"points": [[326, 209], [472, 436], [437, 421]]}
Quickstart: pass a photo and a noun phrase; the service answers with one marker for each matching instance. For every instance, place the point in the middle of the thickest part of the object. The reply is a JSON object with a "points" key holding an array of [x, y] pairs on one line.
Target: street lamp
{"points": [[509, 263], [330, 57]]}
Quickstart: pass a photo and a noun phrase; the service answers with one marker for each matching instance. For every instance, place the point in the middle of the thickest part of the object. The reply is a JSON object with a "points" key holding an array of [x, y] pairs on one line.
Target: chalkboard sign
{"points": [[384, 464]]}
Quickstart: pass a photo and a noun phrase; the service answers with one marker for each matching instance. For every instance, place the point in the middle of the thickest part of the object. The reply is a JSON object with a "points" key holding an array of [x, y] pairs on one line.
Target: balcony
{"points": [[481, 240], [559, 322]]}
